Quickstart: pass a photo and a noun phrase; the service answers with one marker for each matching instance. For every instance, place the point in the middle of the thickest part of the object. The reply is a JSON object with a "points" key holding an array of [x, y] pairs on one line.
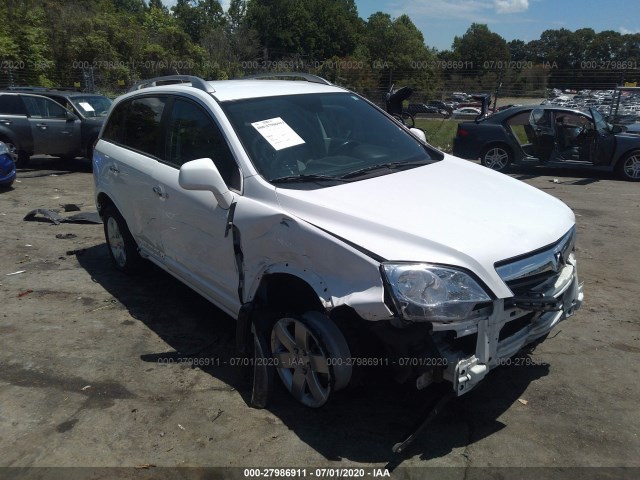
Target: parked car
{"points": [[551, 136], [7, 167], [32, 124], [466, 112], [91, 109], [416, 108], [331, 233], [443, 108]]}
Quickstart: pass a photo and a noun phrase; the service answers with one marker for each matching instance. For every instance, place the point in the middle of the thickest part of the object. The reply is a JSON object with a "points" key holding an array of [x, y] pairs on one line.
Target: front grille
{"points": [[524, 273]]}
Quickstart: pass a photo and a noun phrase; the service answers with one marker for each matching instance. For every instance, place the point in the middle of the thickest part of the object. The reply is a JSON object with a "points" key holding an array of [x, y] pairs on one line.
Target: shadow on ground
{"points": [[360, 425], [44, 166]]}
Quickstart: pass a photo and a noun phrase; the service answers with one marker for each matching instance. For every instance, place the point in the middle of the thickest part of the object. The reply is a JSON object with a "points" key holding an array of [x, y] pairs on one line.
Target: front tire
{"points": [[629, 166], [496, 157], [311, 357], [123, 249]]}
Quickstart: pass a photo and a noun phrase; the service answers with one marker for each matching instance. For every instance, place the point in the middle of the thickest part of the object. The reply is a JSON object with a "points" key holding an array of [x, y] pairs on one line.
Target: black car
{"points": [[552, 136], [32, 124], [417, 108], [91, 109]]}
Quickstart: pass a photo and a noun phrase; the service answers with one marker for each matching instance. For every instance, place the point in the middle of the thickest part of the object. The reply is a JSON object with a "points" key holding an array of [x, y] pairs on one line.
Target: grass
{"points": [[440, 132]]}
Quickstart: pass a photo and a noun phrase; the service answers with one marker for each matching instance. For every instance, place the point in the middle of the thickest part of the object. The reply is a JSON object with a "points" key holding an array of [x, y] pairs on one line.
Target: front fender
{"points": [[275, 242]]}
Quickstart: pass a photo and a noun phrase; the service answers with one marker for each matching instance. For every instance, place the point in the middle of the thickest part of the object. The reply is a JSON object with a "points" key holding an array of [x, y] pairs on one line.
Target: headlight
{"points": [[430, 292], [3, 148]]}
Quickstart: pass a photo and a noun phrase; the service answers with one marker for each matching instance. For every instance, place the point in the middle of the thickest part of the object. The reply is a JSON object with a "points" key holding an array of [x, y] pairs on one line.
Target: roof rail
{"points": [[305, 76], [195, 82]]}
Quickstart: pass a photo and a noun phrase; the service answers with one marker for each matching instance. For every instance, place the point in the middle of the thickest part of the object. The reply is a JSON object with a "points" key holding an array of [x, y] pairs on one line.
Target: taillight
{"points": [[462, 132]]}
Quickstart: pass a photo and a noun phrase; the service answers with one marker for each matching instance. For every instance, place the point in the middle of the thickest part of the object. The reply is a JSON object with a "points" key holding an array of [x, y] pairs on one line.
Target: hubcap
{"points": [[13, 151], [632, 167], [116, 242], [496, 159], [301, 362]]}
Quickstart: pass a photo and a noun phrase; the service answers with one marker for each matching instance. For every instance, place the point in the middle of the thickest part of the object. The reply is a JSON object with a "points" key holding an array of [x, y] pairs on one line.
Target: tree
{"points": [[481, 47]]}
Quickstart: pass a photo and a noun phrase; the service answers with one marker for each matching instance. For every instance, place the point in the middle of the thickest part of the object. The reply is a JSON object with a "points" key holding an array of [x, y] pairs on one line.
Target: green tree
{"points": [[481, 47]]}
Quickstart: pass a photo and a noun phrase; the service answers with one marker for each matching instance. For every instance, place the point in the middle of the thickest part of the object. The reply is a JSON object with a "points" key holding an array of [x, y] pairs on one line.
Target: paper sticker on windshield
{"points": [[86, 107], [278, 133]]}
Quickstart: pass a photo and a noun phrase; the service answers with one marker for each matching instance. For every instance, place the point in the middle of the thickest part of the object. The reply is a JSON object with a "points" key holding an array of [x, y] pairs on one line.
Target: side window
{"points": [[114, 129], [142, 124], [192, 134], [40, 107], [11, 105]]}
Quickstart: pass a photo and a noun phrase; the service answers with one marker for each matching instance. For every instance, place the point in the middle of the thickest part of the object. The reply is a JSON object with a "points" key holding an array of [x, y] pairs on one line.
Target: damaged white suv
{"points": [[338, 238]]}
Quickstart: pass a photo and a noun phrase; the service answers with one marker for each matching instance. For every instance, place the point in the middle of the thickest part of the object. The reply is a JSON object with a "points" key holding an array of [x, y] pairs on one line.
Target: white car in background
{"points": [[335, 236]]}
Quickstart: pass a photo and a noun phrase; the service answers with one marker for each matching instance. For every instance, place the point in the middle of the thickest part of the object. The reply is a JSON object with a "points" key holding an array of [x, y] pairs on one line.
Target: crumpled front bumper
{"points": [[498, 339]]}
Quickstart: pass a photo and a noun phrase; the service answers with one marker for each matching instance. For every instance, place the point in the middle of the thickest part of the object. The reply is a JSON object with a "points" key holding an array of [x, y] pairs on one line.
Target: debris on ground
{"points": [[66, 236], [24, 293], [523, 401], [15, 273], [53, 216]]}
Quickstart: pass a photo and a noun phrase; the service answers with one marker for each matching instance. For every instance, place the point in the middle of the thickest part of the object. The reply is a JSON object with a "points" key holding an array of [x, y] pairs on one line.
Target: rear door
{"points": [[543, 139], [54, 133], [127, 155], [605, 139]]}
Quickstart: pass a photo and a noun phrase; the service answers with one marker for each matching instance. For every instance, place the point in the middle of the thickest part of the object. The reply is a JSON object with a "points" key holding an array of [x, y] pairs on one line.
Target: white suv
{"points": [[338, 238]]}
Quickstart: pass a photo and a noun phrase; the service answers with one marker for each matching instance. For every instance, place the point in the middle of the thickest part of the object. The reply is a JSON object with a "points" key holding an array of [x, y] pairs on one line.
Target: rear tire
{"points": [[496, 157], [629, 166], [123, 249]]}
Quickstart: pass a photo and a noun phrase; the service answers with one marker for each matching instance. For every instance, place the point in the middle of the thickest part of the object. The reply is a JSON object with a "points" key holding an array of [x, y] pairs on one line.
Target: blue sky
{"points": [[441, 20]]}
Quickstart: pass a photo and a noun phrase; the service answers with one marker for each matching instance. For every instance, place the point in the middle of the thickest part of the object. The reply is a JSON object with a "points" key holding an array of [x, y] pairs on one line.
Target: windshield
{"points": [[92, 105], [322, 135]]}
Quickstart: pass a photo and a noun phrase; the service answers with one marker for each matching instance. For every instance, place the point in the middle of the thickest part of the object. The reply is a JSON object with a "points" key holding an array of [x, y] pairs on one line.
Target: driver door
{"points": [[54, 132], [543, 139]]}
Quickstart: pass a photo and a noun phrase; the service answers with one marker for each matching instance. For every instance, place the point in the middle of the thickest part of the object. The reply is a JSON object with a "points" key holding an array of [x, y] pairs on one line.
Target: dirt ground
{"points": [[93, 370]]}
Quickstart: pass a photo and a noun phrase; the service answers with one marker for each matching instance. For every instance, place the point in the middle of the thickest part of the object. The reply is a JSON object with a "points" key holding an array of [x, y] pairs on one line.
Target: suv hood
{"points": [[451, 212]]}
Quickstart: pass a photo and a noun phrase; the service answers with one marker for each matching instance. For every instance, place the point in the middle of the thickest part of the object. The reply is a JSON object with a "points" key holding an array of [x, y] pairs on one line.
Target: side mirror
{"points": [[419, 133], [71, 117], [202, 174]]}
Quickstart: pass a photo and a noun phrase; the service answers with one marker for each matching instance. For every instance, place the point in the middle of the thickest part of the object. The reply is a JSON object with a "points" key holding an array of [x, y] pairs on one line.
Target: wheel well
{"points": [[283, 292], [103, 202]]}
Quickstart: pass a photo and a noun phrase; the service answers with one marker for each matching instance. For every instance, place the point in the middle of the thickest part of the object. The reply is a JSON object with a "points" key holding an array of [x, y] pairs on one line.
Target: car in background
{"points": [[443, 107], [466, 112], [275, 200], [91, 109], [32, 124], [7, 167], [552, 136], [418, 108]]}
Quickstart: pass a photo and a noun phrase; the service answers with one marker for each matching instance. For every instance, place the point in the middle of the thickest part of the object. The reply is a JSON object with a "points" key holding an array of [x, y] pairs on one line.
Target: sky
{"points": [[441, 20]]}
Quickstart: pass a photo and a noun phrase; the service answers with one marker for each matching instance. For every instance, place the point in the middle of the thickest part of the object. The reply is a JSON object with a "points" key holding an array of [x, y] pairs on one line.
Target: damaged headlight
{"points": [[429, 292]]}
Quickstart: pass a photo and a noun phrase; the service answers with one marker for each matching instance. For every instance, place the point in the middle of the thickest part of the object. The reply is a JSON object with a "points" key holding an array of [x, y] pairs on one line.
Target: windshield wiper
{"points": [[387, 166], [308, 177]]}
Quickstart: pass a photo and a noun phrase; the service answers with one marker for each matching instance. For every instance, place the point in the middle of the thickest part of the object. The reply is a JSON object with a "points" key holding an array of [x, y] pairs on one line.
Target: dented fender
{"points": [[273, 241]]}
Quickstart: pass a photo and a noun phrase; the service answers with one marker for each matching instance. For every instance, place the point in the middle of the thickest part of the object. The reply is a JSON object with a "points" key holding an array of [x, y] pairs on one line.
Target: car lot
{"points": [[98, 369]]}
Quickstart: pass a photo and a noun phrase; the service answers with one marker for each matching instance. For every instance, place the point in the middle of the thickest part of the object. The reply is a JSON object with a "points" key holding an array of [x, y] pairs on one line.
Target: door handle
{"points": [[6, 122], [43, 126], [158, 191], [114, 169]]}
